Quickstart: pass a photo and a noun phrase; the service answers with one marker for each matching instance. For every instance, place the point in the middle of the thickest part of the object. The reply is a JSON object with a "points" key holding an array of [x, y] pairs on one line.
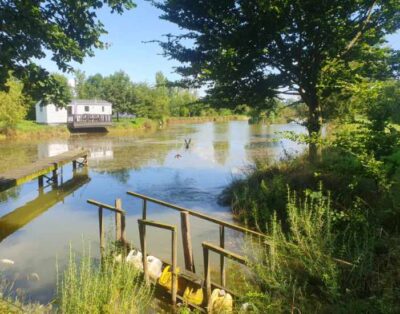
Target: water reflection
{"points": [[42, 228], [23, 215]]}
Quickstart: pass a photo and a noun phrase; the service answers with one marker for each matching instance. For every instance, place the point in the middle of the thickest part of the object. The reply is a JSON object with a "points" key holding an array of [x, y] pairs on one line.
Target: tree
{"points": [[253, 50], [68, 30], [79, 80], [12, 108], [117, 89], [94, 87]]}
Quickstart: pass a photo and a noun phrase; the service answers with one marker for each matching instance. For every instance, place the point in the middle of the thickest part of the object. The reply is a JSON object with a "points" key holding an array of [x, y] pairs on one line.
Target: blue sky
{"points": [[126, 34]]}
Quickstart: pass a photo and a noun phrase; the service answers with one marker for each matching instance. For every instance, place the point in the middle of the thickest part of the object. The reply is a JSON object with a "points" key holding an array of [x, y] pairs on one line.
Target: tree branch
{"points": [[361, 31]]}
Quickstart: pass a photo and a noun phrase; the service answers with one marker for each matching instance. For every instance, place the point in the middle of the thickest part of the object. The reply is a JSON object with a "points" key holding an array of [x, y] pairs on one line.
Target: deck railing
{"points": [[89, 118]]}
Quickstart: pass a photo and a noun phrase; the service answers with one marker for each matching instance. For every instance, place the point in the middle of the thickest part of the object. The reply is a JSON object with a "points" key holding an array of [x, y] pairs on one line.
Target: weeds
{"points": [[110, 287]]}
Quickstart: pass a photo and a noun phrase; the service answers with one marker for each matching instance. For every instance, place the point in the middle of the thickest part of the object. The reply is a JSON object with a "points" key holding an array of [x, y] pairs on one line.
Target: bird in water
{"points": [[177, 156], [187, 143]]}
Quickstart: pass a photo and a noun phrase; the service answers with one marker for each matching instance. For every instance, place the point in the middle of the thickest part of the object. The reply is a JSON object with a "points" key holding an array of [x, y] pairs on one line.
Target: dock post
{"points": [[118, 233], [55, 175], [74, 165], [101, 233], [142, 234], [40, 185], [187, 242], [144, 210], [222, 258], [40, 181], [174, 284], [207, 277]]}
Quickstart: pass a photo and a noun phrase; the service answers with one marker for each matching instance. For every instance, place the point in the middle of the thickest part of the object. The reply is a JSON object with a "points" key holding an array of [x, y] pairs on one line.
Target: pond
{"points": [[37, 228]]}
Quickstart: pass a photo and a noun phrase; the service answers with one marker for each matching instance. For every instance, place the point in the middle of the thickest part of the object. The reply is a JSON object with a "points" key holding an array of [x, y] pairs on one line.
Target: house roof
{"points": [[90, 102]]}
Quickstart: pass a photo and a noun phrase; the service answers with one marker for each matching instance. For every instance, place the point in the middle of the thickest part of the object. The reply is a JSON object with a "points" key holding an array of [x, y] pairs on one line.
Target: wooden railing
{"points": [[186, 235], [88, 119]]}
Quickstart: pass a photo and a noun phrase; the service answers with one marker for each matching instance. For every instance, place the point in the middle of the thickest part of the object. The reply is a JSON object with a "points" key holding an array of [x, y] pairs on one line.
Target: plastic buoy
{"points": [[135, 258], [193, 294], [165, 279], [154, 266], [221, 302]]}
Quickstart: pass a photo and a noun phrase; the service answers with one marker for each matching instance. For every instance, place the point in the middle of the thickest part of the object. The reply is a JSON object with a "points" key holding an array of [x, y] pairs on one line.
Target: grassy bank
{"points": [[136, 125], [344, 207], [25, 130], [32, 130]]}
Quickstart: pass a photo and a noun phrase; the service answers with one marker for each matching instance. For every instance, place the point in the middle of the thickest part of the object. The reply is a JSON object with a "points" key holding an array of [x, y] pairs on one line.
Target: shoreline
{"points": [[30, 130]]}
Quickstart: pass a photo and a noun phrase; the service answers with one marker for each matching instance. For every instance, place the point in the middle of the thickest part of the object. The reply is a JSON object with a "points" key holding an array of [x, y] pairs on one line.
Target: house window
{"points": [[86, 108], [41, 108], [102, 108]]}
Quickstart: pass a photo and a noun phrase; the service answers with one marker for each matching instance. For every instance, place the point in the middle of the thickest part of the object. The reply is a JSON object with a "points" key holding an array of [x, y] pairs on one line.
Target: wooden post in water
{"points": [[118, 233], [207, 277], [101, 232], [40, 185], [187, 242], [55, 175], [142, 234], [222, 258], [174, 287], [144, 210], [123, 231], [74, 165], [40, 181]]}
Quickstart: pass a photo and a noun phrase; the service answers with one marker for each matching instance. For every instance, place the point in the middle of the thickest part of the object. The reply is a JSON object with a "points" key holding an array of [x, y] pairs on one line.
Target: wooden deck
{"points": [[39, 169]]}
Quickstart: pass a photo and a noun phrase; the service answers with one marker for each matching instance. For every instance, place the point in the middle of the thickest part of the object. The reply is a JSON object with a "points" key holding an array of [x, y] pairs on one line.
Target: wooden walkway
{"points": [[40, 168]]}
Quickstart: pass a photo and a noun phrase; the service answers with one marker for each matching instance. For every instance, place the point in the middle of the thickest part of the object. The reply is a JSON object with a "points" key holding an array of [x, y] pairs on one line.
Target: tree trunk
{"points": [[314, 125], [117, 116]]}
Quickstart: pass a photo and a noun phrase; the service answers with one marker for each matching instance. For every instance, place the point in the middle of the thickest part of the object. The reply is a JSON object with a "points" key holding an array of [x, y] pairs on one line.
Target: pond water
{"points": [[36, 229]]}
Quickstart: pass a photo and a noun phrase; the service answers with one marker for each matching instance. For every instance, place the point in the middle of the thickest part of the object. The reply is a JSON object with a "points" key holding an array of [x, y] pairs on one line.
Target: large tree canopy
{"points": [[68, 30], [249, 51]]}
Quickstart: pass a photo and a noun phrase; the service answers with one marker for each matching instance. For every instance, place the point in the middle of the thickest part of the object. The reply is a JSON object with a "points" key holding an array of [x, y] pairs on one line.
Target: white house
{"points": [[80, 113], [50, 114]]}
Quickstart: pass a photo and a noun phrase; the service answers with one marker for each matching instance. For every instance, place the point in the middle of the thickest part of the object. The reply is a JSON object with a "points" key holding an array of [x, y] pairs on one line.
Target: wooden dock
{"points": [[41, 168]]}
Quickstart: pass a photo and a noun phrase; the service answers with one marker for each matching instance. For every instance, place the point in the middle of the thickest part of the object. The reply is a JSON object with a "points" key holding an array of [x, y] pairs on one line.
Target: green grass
{"points": [[136, 123], [27, 129], [113, 287]]}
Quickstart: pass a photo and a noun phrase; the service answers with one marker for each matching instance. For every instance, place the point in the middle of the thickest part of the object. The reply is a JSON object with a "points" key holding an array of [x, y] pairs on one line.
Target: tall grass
{"points": [[303, 265], [297, 269], [86, 286]]}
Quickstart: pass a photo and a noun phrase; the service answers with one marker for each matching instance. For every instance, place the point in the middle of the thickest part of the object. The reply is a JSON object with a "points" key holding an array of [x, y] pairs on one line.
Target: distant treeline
{"points": [[156, 101]]}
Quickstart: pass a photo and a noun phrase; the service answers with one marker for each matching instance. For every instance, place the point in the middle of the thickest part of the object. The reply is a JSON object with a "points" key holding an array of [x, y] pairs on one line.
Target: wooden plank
{"points": [[109, 207], [101, 232], [198, 214], [143, 245], [144, 210], [156, 224], [118, 233], [222, 257], [236, 257], [41, 167], [207, 276], [174, 257], [187, 242]]}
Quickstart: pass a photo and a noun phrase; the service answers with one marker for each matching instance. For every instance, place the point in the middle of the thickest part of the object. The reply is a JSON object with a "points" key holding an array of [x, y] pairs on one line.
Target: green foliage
{"points": [[249, 52], [297, 269], [154, 102], [69, 30], [12, 104], [112, 287]]}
